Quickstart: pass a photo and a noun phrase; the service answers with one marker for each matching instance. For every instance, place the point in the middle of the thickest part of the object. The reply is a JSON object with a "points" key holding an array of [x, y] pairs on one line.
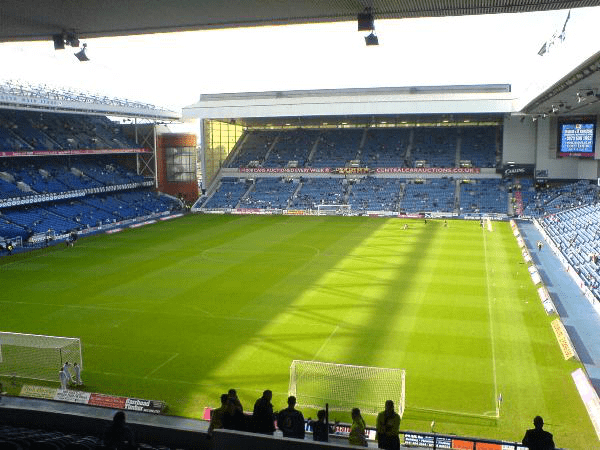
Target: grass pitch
{"points": [[183, 310]]}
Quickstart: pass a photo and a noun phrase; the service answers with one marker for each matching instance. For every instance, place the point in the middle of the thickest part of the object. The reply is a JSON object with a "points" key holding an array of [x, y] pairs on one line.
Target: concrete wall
{"points": [[528, 142]]}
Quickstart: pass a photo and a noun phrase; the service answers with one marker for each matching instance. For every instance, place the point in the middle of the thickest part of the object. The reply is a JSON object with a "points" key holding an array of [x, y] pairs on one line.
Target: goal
{"points": [[344, 386], [37, 357], [333, 210]]}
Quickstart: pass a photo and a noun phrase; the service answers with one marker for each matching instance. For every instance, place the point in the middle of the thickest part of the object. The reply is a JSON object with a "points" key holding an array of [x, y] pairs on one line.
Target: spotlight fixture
{"points": [[555, 109], [80, 55], [365, 20], [371, 39]]}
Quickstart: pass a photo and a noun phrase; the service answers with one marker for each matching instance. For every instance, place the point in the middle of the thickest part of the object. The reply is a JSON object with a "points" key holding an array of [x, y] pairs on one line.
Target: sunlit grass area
{"points": [[181, 311]]}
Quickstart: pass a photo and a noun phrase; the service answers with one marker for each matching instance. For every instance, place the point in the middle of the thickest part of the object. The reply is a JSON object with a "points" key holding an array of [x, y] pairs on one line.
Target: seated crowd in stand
{"points": [[42, 195]]}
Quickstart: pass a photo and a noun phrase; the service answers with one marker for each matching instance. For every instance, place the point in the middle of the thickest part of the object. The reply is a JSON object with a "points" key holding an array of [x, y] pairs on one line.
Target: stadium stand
{"points": [[434, 147], [27, 130], [478, 145], [228, 194], [375, 194], [436, 194], [255, 145], [292, 149], [337, 147], [558, 197], [485, 196], [319, 191], [269, 193], [386, 147]]}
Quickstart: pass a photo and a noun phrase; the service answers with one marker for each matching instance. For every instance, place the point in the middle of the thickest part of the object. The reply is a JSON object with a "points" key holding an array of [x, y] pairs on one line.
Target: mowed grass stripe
{"points": [[181, 311]]}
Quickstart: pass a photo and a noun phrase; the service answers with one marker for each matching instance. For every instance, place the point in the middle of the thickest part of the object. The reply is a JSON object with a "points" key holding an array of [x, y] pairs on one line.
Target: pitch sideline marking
{"points": [[162, 365], [337, 327], [487, 274]]}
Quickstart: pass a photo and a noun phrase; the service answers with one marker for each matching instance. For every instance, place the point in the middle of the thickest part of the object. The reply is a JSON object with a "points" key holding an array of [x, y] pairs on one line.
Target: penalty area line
{"points": [[162, 365], [337, 327]]}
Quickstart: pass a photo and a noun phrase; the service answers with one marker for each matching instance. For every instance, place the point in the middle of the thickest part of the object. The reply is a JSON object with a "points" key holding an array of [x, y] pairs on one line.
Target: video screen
{"points": [[577, 138]]}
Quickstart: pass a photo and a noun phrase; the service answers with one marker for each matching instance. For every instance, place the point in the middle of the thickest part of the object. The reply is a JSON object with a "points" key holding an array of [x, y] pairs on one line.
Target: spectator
{"points": [[216, 415], [262, 416], [388, 428], [291, 421], [537, 438], [233, 417], [233, 396], [118, 436], [357, 431], [320, 427]]}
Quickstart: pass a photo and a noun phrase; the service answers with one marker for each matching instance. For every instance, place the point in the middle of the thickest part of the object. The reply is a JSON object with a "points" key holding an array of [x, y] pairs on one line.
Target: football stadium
{"points": [[433, 245]]}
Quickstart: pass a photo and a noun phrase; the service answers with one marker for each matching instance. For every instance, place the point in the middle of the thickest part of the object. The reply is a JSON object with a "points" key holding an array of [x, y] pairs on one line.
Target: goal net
{"points": [[35, 356], [344, 386], [333, 210]]}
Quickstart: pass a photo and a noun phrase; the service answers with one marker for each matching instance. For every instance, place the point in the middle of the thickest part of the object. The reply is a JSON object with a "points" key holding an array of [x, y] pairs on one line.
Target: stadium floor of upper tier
{"points": [[578, 316]]}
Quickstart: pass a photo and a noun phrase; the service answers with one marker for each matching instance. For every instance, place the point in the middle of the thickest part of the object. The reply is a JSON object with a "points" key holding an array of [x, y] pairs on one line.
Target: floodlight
{"points": [[542, 51], [555, 109], [80, 55], [371, 39], [365, 20]]}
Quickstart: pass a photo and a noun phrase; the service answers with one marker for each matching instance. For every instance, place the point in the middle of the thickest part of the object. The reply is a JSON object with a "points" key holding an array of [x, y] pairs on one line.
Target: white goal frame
{"points": [[36, 356], [345, 386], [333, 210]]}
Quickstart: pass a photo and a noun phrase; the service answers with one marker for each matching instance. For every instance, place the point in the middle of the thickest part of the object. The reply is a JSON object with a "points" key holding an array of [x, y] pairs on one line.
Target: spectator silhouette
{"points": [[233, 417], [118, 436], [388, 428], [233, 396], [291, 421], [262, 416], [216, 415], [537, 438], [320, 428]]}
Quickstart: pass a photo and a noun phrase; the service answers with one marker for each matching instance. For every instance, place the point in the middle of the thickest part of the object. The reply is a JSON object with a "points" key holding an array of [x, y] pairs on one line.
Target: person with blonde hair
{"points": [[357, 430]]}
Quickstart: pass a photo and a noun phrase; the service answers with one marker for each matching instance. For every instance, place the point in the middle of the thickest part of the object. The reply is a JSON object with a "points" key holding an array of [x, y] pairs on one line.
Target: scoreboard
{"points": [[577, 138]]}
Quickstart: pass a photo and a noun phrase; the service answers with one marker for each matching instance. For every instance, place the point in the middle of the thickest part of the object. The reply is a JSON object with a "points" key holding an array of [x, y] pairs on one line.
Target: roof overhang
{"points": [[22, 20], [577, 93], [491, 99]]}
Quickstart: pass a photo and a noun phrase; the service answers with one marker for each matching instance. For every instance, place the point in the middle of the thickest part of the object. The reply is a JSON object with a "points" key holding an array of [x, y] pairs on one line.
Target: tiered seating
{"points": [[26, 130], [26, 438], [337, 147], [436, 146], [36, 219], [255, 148], [478, 145], [269, 193], [435, 194], [375, 194], [228, 194], [576, 233], [292, 146], [385, 147], [315, 191], [561, 197], [486, 196]]}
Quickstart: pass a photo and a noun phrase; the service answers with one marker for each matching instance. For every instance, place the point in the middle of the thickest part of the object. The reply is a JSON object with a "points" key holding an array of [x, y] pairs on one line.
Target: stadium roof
{"points": [[22, 20], [473, 103], [577, 93], [17, 95]]}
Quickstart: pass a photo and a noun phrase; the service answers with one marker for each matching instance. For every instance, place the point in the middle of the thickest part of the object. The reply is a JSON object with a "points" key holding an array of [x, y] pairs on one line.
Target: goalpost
{"points": [[333, 210], [345, 386], [37, 357]]}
